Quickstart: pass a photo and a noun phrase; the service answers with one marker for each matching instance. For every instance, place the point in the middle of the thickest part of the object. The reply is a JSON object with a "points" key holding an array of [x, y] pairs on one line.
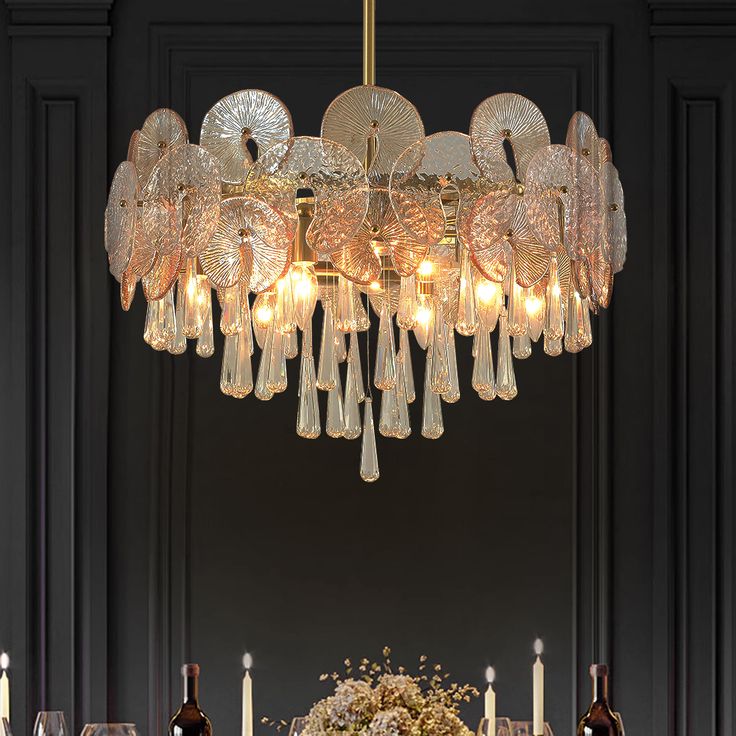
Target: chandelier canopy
{"points": [[497, 230]]}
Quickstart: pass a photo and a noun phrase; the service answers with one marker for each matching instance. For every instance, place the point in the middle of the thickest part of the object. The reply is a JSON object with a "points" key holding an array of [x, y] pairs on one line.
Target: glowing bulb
{"points": [[533, 305], [264, 314], [538, 647], [490, 675], [426, 268], [556, 290], [4, 660], [375, 286], [486, 291], [247, 661], [423, 315], [304, 291]]}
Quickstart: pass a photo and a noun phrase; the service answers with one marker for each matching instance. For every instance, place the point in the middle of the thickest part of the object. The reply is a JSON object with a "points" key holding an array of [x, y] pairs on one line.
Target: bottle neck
{"points": [[191, 689], [600, 689]]}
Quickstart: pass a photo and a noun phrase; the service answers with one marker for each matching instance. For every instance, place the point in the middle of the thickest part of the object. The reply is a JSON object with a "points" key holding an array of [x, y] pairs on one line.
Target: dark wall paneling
{"points": [[694, 521], [58, 388]]}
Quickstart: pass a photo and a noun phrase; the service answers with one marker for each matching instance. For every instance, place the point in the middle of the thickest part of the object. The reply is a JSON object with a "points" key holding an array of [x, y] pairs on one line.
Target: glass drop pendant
{"points": [[406, 314], [231, 314], [535, 314], [385, 375], [346, 320], [467, 317], [291, 345], [229, 365], [178, 345], [351, 407], [552, 347], [483, 379], [277, 376], [516, 318], [341, 352], [440, 360], [452, 395], [574, 328], [335, 424], [488, 298], [505, 378], [586, 336], [424, 325], [247, 323], [355, 367], [403, 429], [262, 316], [284, 313], [243, 371], [307, 418], [554, 327], [161, 327], [150, 325], [432, 424], [388, 422], [192, 316], [206, 339], [326, 373], [522, 347], [264, 367], [368, 454], [362, 319], [408, 368]]}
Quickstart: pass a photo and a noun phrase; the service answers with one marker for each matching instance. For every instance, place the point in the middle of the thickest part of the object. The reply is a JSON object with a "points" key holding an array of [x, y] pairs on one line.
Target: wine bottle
{"points": [[189, 720], [599, 720]]}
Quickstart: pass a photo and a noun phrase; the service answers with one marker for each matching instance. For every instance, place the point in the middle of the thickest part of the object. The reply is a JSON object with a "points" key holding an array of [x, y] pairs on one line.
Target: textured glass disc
{"points": [[133, 145], [120, 218], [366, 112], [181, 201], [493, 262], [237, 253], [429, 166], [162, 132], [163, 274], [604, 148], [600, 276], [614, 217], [331, 171], [250, 114], [128, 282], [531, 259], [582, 137], [144, 253], [561, 182], [511, 117]]}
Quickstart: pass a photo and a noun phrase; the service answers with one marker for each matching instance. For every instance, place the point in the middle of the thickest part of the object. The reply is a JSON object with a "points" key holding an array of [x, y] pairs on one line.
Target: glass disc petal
{"points": [[144, 253], [531, 258], [133, 146], [582, 137], [238, 118], [561, 182], [600, 273], [181, 201], [365, 112], [422, 172], [128, 283], [614, 216], [331, 171], [163, 275], [162, 132], [512, 117], [120, 218], [604, 147], [493, 262], [237, 253]]}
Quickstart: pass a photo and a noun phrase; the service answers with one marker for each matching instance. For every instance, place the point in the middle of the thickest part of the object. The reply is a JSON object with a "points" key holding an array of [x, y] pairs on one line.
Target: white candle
{"points": [[247, 727], [490, 703], [4, 687], [538, 681]]}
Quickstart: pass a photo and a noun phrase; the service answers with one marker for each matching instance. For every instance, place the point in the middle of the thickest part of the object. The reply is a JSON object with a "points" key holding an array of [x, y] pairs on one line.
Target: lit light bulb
{"points": [[486, 291], [192, 304], [375, 286], [426, 268], [423, 313], [263, 310], [489, 296]]}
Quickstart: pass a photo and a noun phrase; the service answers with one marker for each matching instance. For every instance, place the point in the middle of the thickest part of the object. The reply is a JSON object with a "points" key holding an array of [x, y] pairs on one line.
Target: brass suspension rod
{"points": [[369, 41]]}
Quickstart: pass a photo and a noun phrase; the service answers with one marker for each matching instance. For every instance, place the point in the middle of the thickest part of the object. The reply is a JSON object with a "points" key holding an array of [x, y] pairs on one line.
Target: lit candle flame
{"points": [[4, 660], [538, 647], [247, 661], [490, 675]]}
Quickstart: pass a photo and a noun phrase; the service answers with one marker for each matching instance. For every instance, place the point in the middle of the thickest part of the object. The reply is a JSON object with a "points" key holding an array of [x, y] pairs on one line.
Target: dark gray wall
{"points": [[145, 519]]}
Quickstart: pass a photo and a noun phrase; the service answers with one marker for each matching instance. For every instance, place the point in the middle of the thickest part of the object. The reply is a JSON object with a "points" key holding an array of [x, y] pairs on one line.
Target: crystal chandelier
{"points": [[491, 231]]}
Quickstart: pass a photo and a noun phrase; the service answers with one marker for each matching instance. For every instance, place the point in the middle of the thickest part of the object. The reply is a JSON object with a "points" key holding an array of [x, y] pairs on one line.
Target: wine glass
{"points": [[297, 726], [110, 729], [501, 727], [50, 723], [525, 728]]}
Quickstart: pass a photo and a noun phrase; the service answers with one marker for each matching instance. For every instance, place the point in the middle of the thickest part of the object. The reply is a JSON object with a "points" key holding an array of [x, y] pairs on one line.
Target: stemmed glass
{"points": [[110, 729], [297, 726], [5, 729], [50, 723], [501, 727]]}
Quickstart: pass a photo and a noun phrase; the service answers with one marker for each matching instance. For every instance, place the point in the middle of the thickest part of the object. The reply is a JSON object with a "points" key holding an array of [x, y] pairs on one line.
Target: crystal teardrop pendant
{"points": [[535, 314], [206, 340], [178, 345], [516, 317], [574, 327], [552, 347], [346, 320], [341, 352], [452, 395], [466, 314], [263, 392], [388, 422], [231, 315], [262, 316], [291, 345], [432, 425], [236, 377], [229, 365], [369, 471], [522, 347], [247, 322], [553, 319], [406, 314], [192, 315], [483, 380], [440, 360], [403, 429], [385, 374], [351, 406], [307, 418], [362, 317], [335, 423], [355, 367], [488, 299], [284, 312], [505, 378], [277, 379], [423, 326], [408, 368], [586, 335], [304, 289], [160, 322], [326, 372]]}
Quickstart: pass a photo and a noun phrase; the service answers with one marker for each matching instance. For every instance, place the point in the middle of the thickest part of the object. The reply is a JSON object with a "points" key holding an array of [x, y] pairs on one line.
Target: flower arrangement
{"points": [[373, 700]]}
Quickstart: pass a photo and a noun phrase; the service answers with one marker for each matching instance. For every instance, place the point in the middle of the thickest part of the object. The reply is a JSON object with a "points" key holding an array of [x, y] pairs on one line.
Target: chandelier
{"points": [[497, 230]]}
